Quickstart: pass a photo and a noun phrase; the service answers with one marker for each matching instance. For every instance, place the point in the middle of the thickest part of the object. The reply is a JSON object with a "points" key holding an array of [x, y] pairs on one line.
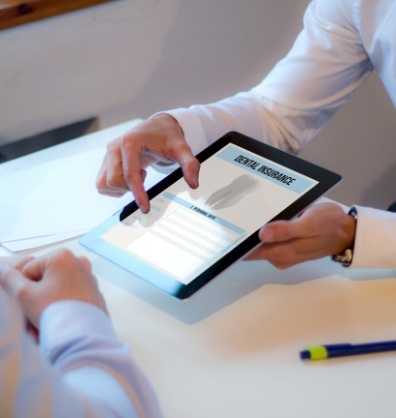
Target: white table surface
{"points": [[232, 350]]}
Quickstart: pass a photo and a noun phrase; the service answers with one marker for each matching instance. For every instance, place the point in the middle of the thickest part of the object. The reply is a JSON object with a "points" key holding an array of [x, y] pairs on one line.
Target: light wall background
{"points": [[131, 58]]}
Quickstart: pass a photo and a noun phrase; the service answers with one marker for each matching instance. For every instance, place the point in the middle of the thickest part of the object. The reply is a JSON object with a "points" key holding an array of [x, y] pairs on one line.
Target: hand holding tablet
{"points": [[190, 236]]}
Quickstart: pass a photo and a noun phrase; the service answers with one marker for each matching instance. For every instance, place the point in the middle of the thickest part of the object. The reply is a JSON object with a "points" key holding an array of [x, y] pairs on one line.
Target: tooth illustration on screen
{"points": [[234, 192]]}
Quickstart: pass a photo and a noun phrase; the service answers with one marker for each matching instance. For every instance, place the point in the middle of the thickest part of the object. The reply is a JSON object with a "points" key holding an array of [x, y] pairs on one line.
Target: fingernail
{"points": [[145, 209]]}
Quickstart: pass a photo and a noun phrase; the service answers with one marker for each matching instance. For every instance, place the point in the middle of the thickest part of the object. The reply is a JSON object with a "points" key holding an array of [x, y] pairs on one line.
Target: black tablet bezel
{"points": [[326, 180]]}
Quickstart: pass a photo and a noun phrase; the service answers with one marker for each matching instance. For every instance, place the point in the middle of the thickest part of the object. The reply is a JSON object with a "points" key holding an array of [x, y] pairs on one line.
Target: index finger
{"points": [[134, 175], [190, 167]]}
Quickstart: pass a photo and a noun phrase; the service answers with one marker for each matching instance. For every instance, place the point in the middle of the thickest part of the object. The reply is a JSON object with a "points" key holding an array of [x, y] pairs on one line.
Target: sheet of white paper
{"points": [[47, 201], [31, 243]]}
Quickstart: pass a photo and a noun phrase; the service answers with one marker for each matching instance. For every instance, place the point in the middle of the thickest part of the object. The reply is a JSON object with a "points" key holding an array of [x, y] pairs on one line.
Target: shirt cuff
{"points": [[67, 320], [375, 239]]}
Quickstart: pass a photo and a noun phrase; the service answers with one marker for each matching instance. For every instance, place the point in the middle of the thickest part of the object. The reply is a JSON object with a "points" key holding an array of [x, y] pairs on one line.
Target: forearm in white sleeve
{"points": [[245, 112], [375, 241], [80, 343], [83, 369], [326, 64]]}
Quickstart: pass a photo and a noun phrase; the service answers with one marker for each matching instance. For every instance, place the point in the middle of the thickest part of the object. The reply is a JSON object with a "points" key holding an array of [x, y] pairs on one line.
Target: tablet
{"points": [[190, 236]]}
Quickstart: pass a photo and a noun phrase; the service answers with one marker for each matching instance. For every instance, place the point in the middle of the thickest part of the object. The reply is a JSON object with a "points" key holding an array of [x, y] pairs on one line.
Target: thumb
{"points": [[280, 231], [11, 280]]}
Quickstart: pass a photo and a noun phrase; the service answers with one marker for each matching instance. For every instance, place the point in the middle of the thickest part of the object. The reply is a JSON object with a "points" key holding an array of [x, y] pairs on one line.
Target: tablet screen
{"points": [[188, 235]]}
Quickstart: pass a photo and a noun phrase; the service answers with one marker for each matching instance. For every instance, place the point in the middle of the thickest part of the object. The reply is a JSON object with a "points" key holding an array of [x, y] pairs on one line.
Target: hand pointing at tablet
{"points": [[287, 109], [320, 231], [158, 139]]}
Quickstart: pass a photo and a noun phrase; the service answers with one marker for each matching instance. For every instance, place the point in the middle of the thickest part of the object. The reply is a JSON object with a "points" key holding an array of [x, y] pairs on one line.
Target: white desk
{"points": [[232, 350]]}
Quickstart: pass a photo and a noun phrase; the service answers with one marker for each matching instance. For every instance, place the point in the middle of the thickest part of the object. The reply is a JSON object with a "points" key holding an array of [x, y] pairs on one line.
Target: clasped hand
{"points": [[36, 283]]}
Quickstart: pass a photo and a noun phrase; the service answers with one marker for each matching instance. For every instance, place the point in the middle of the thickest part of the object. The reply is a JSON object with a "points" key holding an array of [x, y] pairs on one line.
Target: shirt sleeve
{"points": [[302, 92], [80, 368], [375, 240]]}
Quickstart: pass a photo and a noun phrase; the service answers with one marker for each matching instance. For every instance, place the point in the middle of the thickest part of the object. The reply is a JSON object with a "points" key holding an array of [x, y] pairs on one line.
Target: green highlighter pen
{"points": [[323, 352]]}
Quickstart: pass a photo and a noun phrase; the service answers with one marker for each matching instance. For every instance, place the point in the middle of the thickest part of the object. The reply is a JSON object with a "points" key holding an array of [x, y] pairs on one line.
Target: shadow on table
{"points": [[233, 284]]}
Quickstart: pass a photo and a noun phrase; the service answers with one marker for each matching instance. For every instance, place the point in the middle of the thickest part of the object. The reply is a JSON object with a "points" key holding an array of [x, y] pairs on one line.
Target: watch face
{"points": [[345, 258]]}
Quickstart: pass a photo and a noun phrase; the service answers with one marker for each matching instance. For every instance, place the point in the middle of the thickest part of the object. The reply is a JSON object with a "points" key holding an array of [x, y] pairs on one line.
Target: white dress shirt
{"points": [[80, 369], [341, 43]]}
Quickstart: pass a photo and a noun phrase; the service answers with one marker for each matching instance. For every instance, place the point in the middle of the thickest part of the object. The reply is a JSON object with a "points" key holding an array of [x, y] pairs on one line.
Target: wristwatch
{"points": [[345, 258]]}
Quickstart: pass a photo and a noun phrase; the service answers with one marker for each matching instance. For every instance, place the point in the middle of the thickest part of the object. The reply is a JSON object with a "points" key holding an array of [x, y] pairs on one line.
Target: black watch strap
{"points": [[345, 258]]}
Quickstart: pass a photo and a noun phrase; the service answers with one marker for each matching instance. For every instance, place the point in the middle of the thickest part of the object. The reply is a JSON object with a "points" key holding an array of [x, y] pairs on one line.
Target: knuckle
{"points": [[23, 294], [116, 182], [278, 263], [283, 266], [282, 259], [63, 255], [67, 254], [127, 140], [112, 146], [100, 183]]}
